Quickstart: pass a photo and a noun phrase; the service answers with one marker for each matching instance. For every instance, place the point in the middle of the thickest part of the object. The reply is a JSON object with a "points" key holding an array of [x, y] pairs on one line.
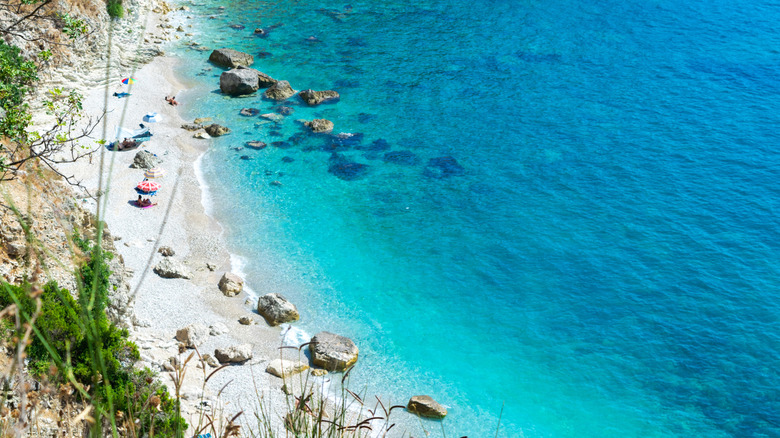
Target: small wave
{"points": [[205, 190], [293, 336], [238, 267]]}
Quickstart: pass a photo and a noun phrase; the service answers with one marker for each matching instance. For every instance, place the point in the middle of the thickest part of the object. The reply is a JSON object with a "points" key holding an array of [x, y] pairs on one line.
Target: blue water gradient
{"points": [[606, 262]]}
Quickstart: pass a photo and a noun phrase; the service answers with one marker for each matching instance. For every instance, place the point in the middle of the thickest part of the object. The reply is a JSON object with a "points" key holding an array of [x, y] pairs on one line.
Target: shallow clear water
{"points": [[606, 262]]}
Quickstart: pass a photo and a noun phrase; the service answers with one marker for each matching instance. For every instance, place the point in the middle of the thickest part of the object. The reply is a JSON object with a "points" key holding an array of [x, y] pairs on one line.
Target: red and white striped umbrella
{"points": [[148, 186]]}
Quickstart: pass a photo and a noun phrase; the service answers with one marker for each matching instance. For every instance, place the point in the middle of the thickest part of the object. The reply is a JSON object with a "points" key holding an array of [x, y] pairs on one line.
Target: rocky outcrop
{"points": [[312, 97], [280, 90], [231, 284], [285, 368], [145, 160], [234, 354], [230, 58], [249, 112], [276, 309], [171, 268], [216, 130], [264, 81], [193, 335], [191, 126], [425, 406], [333, 352], [256, 145], [166, 251], [319, 125], [239, 81]]}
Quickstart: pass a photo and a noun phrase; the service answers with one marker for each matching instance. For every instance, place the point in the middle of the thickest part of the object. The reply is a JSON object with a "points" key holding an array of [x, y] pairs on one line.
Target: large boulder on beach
{"points": [[285, 367], [231, 284], [145, 160], [231, 58], [276, 309], [234, 354], [239, 81], [281, 90], [172, 268], [193, 335], [216, 130], [425, 406], [312, 97], [333, 352], [319, 125]]}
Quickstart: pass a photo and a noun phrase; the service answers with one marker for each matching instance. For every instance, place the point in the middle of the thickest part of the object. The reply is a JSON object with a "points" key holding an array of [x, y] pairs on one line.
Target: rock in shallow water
{"points": [[312, 97], [280, 90], [425, 406], [230, 58], [276, 309], [216, 130], [333, 352], [319, 125], [239, 81]]}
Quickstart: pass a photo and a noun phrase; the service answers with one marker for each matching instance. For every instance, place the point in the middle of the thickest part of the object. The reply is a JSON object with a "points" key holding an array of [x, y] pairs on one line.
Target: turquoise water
{"points": [[602, 260]]}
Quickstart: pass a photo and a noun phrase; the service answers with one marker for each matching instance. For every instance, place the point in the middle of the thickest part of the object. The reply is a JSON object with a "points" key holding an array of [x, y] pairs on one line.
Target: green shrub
{"points": [[16, 77], [100, 353], [115, 9]]}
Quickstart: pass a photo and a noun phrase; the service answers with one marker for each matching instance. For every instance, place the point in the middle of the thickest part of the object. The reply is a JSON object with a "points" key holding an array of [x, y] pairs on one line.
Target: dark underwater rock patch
{"points": [[376, 146], [366, 117], [345, 169], [287, 159], [281, 144], [406, 158], [443, 167]]}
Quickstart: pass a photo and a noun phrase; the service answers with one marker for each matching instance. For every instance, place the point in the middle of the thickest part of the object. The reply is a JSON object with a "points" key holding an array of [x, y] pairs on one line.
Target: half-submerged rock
{"points": [[312, 97], [239, 81], [171, 268], [234, 354], [333, 352], [285, 368], [280, 90], [231, 284], [425, 406], [231, 58], [319, 125], [193, 335], [276, 309], [216, 130]]}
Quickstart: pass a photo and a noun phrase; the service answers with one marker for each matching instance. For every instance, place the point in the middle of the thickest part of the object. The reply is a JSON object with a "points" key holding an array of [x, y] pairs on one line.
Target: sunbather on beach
{"points": [[126, 144], [171, 100]]}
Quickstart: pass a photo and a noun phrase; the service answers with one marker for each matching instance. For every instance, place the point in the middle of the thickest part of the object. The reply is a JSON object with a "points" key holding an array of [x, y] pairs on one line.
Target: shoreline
{"points": [[184, 220], [180, 221]]}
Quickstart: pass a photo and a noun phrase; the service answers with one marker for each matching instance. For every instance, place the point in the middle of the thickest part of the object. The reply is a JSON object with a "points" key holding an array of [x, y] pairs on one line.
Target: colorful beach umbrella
{"points": [[128, 81], [154, 172], [148, 186]]}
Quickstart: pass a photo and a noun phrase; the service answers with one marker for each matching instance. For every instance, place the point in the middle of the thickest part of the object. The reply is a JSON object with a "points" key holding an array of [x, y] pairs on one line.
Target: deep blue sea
{"points": [[568, 210]]}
